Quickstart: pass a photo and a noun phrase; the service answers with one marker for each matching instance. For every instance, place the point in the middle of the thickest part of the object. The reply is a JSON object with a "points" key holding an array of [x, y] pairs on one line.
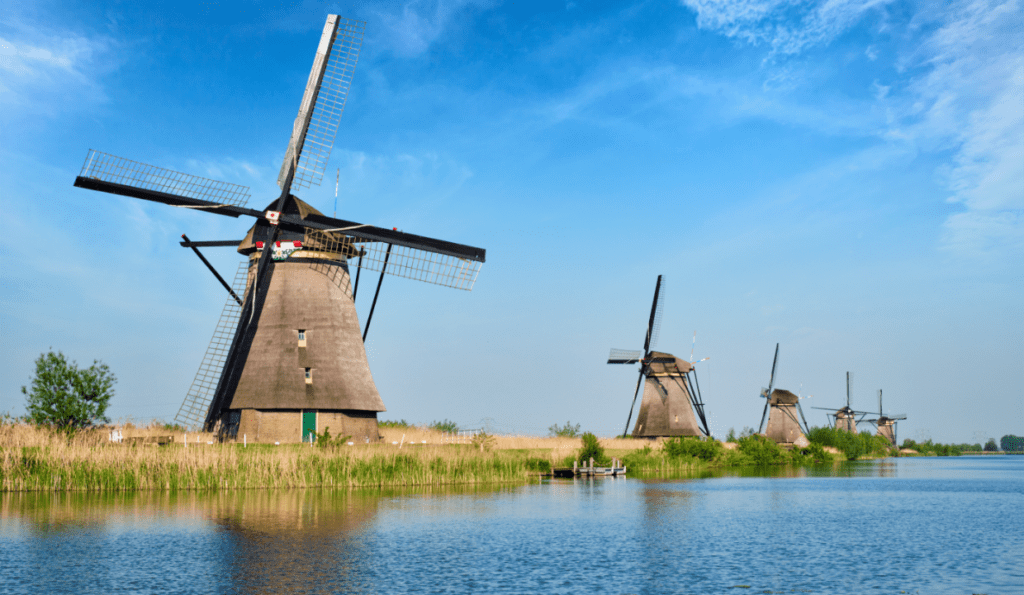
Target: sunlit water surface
{"points": [[918, 525]]}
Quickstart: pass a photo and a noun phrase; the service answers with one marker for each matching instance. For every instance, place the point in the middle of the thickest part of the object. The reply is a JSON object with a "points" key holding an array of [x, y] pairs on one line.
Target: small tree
{"points": [[591, 447], [61, 395], [566, 431], [991, 445]]}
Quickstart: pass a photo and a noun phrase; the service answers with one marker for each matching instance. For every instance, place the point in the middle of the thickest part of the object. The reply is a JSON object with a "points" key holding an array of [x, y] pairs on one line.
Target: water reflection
{"points": [[950, 526]]}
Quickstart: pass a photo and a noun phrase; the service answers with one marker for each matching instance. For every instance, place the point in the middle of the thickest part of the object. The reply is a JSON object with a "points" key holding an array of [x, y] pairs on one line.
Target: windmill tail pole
{"points": [[359, 269], [213, 270], [807, 428], [383, 269], [635, 393]]}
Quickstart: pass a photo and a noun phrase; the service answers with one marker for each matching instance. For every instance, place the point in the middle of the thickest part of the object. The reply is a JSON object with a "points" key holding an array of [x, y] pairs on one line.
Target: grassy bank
{"points": [[38, 459], [33, 459]]}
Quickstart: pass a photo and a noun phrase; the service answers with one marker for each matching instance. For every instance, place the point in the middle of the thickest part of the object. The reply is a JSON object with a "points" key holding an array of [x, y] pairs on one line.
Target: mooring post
{"points": [[575, 472], [591, 465], [245, 443]]}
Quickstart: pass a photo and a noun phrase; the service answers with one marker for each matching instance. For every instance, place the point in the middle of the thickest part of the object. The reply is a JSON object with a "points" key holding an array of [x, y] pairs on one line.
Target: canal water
{"points": [[913, 525]]}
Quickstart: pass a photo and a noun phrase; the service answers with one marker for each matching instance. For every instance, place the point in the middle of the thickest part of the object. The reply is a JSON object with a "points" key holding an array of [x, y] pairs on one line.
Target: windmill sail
{"points": [[323, 102], [117, 175], [200, 394], [427, 264]]}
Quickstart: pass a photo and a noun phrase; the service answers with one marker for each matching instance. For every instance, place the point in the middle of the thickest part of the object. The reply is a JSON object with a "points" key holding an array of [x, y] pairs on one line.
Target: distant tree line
{"points": [[1011, 443]]}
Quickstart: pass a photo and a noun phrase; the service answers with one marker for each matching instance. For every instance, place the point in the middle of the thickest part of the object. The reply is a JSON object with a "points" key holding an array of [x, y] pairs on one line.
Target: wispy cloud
{"points": [[787, 26], [417, 24], [45, 70], [958, 90]]}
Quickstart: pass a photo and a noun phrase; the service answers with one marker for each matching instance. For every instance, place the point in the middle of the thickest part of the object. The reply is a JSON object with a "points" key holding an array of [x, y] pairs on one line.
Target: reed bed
{"points": [[34, 459]]}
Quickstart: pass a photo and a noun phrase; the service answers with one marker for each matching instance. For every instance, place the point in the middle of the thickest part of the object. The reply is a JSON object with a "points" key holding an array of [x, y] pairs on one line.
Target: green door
{"points": [[308, 425]]}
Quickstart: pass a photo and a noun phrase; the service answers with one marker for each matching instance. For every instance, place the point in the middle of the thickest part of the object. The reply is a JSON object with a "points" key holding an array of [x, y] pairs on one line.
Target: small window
{"points": [[302, 337], [309, 375]]}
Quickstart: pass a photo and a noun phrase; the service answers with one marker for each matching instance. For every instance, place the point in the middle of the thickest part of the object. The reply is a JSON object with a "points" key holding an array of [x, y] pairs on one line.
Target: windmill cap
{"points": [[679, 366], [784, 397]]}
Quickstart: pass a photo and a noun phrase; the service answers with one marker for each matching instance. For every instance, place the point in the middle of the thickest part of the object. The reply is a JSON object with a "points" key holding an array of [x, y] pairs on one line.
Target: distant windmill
{"points": [[287, 358], [671, 391], [886, 424], [781, 408], [845, 417]]}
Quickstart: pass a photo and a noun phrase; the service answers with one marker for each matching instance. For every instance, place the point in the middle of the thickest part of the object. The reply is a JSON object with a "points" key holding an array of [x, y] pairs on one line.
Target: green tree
{"points": [[1011, 443], [566, 431], [991, 445], [592, 448], [64, 396]]}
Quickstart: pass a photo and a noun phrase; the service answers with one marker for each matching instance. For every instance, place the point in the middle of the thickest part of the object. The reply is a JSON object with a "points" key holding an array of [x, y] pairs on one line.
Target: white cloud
{"points": [[959, 89], [788, 26], [419, 23], [47, 71]]}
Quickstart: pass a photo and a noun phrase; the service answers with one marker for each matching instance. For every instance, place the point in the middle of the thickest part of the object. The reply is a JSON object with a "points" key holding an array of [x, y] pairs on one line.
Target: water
{"points": [[917, 525]]}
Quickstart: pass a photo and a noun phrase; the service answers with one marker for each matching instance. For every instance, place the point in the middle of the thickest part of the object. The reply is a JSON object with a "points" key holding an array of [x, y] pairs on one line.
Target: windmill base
{"points": [[293, 426]]}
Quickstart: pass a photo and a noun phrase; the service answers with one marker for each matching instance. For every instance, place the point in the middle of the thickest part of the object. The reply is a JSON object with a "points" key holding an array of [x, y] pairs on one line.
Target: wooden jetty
{"points": [[590, 470]]}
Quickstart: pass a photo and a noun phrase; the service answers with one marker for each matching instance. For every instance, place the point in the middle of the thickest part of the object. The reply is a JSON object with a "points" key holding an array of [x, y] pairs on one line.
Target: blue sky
{"points": [[845, 178]]}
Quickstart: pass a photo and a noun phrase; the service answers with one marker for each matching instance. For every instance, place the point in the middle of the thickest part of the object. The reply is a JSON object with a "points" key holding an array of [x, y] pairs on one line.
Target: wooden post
{"points": [[591, 465], [575, 472]]}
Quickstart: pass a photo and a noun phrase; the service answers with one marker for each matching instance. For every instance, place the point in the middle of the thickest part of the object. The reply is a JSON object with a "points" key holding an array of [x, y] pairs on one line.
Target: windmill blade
{"points": [[116, 175], [403, 255], [625, 356], [197, 401], [322, 103], [764, 414], [771, 380], [654, 323]]}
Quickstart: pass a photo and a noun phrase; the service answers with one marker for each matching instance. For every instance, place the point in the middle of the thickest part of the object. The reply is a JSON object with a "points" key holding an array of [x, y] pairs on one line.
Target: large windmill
{"points": [[781, 408], [886, 424], [844, 418], [671, 391], [287, 358]]}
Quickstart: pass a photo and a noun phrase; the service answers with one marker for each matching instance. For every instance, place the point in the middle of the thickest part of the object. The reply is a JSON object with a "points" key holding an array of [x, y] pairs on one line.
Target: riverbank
{"points": [[37, 459]]}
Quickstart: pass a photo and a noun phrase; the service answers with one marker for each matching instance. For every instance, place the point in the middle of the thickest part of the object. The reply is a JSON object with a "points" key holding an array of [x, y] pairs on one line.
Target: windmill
{"points": [[781, 408], [845, 417], [287, 358], [886, 424], [671, 391]]}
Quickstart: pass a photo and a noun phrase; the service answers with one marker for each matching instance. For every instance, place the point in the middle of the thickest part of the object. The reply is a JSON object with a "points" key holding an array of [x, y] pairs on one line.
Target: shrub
{"points": [[484, 441], [566, 431], [447, 426], [761, 450], [393, 424], [325, 439], [706, 450], [66, 397], [592, 448]]}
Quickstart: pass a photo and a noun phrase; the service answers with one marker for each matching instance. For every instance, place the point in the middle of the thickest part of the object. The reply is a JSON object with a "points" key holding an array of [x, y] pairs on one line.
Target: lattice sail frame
{"points": [[331, 92], [118, 170], [627, 355], [197, 401], [402, 261], [658, 308]]}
